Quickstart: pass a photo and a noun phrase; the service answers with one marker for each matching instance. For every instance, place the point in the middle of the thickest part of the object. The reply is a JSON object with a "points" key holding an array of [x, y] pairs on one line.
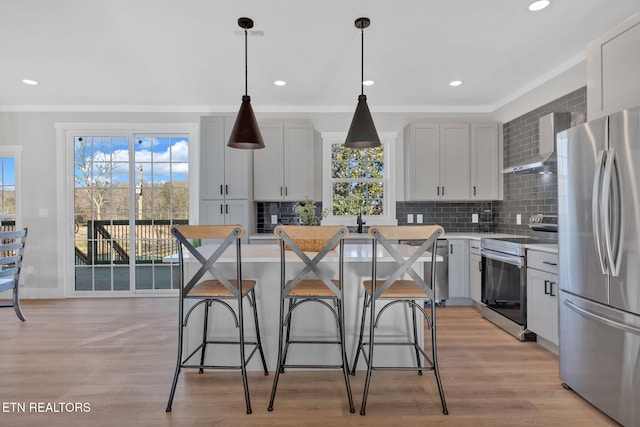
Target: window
{"points": [[358, 181], [9, 194]]}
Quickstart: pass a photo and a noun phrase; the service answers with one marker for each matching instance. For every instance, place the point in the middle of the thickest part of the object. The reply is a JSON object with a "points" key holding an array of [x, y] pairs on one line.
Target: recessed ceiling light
{"points": [[29, 82], [455, 83], [279, 83], [538, 5], [368, 82]]}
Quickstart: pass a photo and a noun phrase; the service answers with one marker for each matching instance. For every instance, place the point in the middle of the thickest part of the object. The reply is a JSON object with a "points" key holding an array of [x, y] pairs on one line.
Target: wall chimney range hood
{"points": [[545, 160]]}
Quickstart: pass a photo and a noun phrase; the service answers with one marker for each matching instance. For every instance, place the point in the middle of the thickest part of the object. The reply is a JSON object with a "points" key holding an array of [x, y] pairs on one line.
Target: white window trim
{"points": [[15, 151], [65, 133], [389, 140]]}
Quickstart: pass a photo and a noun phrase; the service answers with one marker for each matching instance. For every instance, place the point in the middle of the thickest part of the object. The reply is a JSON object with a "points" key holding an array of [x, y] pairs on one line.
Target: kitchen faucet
{"points": [[360, 221]]}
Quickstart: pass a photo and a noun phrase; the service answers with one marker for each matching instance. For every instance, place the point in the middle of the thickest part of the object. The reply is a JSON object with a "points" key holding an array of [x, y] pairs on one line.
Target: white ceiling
{"points": [[183, 54]]}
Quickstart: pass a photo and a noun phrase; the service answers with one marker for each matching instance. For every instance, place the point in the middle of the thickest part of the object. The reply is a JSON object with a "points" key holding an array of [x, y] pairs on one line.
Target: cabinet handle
{"points": [[443, 190], [546, 287], [550, 263], [226, 189], [479, 265], [451, 250], [226, 208], [438, 188], [474, 190], [551, 289], [221, 189], [281, 191], [286, 191], [221, 208]]}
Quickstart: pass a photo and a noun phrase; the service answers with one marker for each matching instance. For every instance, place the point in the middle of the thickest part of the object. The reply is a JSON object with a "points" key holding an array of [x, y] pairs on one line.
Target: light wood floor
{"points": [[118, 355]]}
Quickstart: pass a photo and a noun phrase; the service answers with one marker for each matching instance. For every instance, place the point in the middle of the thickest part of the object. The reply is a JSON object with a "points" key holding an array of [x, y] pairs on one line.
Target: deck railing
{"points": [[109, 241]]}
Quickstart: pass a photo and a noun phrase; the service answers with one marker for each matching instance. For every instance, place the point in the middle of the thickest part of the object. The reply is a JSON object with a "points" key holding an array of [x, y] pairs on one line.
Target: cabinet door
{"points": [[212, 153], [268, 168], [298, 161], [454, 161], [237, 167], [542, 304], [613, 66], [475, 277], [485, 173], [422, 162], [458, 268], [227, 212]]}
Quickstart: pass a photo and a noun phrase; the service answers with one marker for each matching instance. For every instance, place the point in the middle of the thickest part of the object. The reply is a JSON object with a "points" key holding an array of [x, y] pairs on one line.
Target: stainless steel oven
{"points": [[504, 276]]}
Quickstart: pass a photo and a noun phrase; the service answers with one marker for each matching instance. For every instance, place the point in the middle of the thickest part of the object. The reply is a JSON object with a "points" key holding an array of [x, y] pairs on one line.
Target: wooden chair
{"points": [[394, 290], [218, 290], [11, 253], [311, 285]]}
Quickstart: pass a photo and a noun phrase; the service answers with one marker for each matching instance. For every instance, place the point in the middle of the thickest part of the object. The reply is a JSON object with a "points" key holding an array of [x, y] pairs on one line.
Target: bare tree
{"points": [[93, 172]]}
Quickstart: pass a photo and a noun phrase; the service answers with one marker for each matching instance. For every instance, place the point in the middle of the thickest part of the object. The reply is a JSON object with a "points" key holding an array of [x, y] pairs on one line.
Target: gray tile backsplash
{"points": [[523, 194], [530, 194]]}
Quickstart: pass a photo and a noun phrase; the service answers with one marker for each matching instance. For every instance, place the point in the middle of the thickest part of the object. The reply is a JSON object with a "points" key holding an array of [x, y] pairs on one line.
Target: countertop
{"points": [[465, 235]]}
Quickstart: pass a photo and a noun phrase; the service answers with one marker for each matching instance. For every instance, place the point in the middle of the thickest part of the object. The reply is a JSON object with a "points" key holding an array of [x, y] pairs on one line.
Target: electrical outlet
{"points": [[419, 218], [274, 219], [474, 218], [410, 218], [518, 219]]}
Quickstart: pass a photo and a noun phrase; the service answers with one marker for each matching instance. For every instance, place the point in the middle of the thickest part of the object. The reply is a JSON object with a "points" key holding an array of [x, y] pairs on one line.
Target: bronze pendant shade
{"points": [[246, 133], [362, 132]]}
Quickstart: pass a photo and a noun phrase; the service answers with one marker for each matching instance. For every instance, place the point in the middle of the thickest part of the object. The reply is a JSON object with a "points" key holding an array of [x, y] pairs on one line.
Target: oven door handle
{"points": [[517, 261]]}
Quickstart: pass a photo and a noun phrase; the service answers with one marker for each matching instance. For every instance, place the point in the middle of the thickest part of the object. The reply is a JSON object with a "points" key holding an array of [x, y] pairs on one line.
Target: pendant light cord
{"points": [[246, 68], [362, 62]]}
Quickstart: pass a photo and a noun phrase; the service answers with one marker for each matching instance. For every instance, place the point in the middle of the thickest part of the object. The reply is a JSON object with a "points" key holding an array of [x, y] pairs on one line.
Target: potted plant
{"points": [[306, 210]]}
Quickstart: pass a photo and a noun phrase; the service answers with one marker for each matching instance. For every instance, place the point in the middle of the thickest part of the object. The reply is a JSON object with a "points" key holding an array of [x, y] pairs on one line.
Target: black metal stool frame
{"points": [[311, 265], [207, 265], [404, 267]]}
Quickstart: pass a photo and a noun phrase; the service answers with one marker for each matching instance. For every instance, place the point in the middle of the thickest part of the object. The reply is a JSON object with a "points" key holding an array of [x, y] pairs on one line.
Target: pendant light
{"points": [[362, 133], [246, 133]]}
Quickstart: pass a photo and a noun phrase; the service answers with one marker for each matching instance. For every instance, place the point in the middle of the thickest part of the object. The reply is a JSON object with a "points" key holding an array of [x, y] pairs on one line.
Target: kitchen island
{"points": [[262, 263]]}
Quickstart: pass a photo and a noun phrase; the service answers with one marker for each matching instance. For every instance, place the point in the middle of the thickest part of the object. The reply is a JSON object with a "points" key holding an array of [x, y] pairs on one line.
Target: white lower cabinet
{"points": [[542, 295], [227, 212], [475, 272], [458, 258]]}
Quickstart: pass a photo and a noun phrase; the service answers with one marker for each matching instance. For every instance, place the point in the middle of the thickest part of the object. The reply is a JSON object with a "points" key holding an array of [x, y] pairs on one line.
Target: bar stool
{"points": [[218, 290], [11, 254], [311, 285], [394, 290]]}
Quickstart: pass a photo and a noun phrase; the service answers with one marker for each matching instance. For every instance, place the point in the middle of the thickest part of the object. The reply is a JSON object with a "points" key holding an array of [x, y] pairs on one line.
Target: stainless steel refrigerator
{"points": [[599, 257]]}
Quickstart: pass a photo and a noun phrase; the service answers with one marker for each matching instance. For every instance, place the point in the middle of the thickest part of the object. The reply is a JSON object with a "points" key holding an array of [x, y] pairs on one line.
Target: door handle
{"points": [[595, 209], [611, 176]]}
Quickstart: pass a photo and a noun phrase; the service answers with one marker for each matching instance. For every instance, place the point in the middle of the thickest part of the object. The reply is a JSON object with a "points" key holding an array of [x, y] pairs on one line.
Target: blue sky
{"points": [[162, 158], [8, 166]]}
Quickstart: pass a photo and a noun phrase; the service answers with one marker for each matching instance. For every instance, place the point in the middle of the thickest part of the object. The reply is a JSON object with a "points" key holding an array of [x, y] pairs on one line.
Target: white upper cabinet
{"points": [[485, 161], [225, 173], [284, 170], [613, 67], [452, 161]]}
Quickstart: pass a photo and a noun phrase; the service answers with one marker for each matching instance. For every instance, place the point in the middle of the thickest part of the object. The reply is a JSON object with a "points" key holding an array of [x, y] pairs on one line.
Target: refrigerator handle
{"points": [[601, 319], [595, 209], [612, 217]]}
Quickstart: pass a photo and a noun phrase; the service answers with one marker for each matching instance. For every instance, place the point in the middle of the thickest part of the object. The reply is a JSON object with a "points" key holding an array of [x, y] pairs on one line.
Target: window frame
{"points": [[389, 142], [15, 152]]}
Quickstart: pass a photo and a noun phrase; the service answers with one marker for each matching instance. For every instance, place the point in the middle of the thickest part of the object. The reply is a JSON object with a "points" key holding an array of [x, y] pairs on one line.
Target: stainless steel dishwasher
{"points": [[442, 272]]}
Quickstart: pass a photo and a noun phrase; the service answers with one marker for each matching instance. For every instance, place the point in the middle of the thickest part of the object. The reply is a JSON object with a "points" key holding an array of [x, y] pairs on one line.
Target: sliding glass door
{"points": [[129, 191]]}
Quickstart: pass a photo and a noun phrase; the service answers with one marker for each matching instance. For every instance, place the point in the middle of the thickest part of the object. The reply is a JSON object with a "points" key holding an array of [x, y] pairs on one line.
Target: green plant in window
{"points": [[306, 210]]}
